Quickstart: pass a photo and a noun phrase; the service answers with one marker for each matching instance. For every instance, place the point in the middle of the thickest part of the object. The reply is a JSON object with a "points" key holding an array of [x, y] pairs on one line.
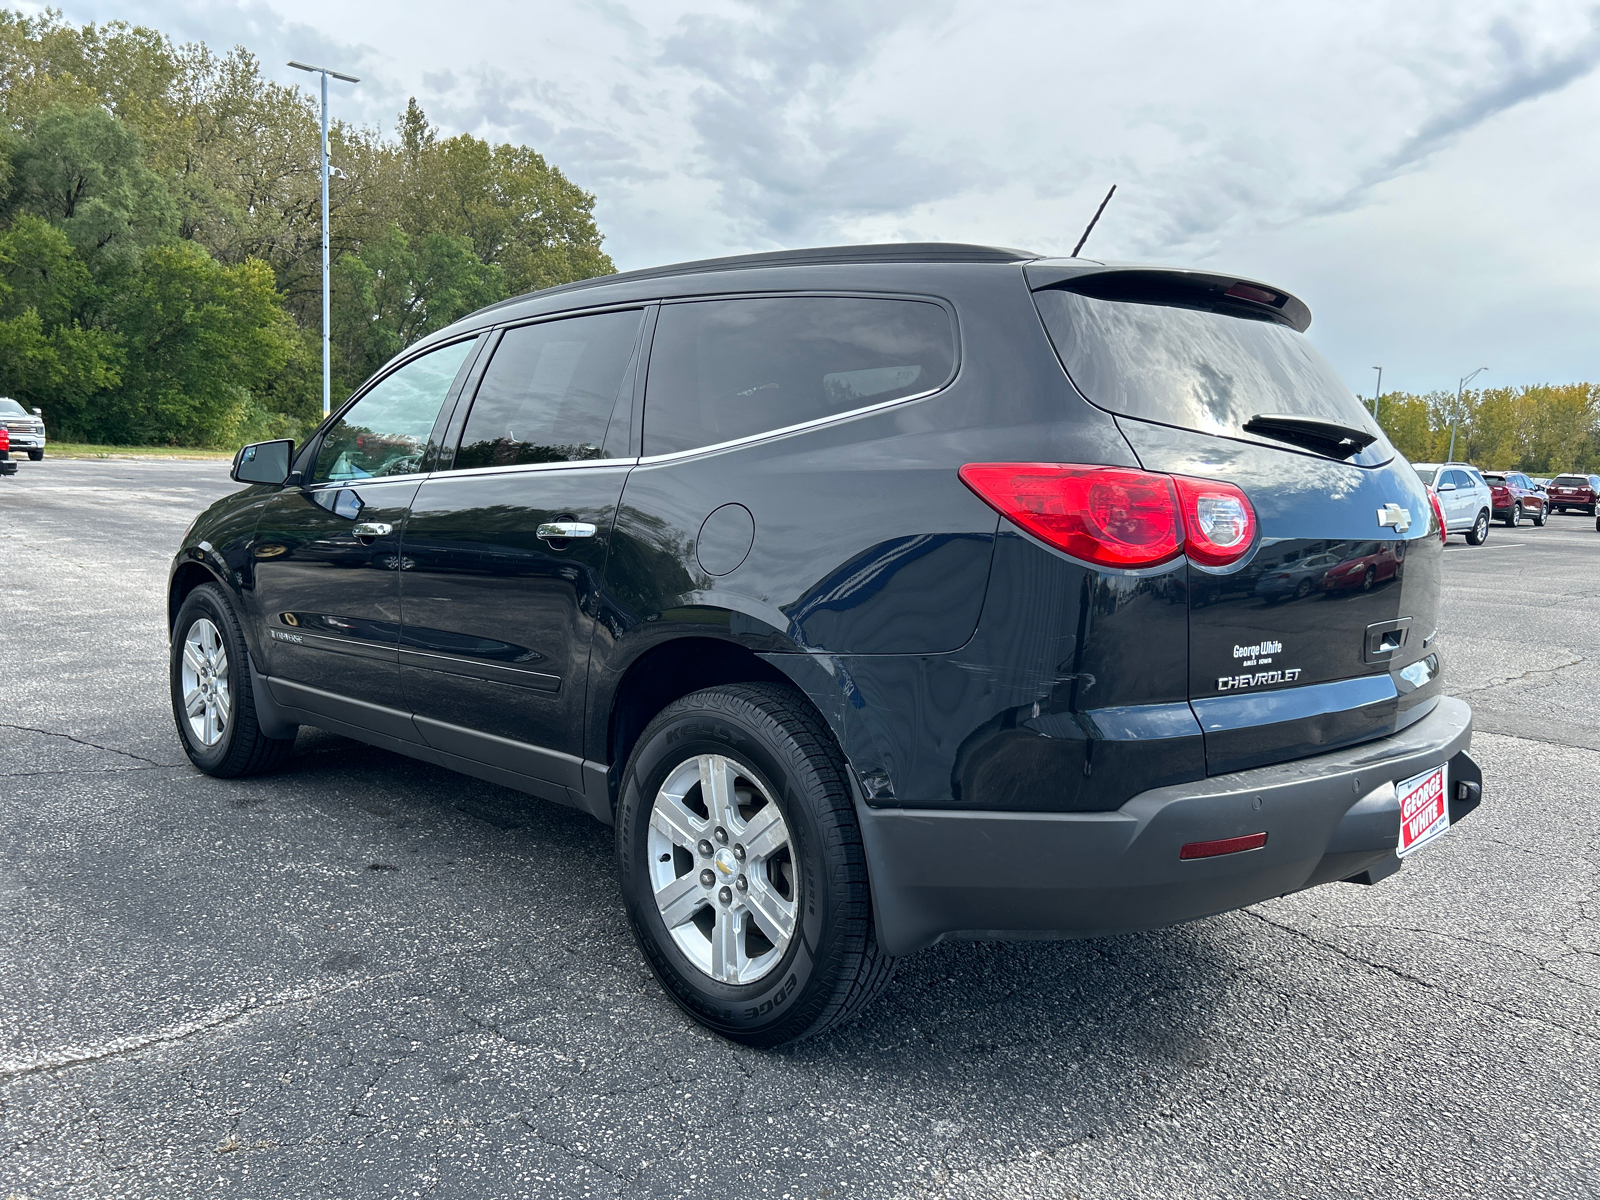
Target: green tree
{"points": [[205, 341]]}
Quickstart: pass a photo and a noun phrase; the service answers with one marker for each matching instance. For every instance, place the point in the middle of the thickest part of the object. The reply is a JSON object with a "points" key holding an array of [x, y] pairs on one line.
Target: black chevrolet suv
{"points": [[876, 595]]}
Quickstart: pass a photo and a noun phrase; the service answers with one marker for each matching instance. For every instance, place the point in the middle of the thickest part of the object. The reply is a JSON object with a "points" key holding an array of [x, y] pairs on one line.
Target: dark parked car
{"points": [[857, 588], [1575, 491], [1515, 497]]}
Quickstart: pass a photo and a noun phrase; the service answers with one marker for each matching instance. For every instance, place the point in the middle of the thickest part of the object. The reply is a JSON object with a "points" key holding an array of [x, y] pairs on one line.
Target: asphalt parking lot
{"points": [[368, 977]]}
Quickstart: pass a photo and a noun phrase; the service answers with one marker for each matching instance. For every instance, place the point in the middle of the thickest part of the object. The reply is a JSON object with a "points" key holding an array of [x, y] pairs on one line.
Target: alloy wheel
{"points": [[722, 868], [207, 702]]}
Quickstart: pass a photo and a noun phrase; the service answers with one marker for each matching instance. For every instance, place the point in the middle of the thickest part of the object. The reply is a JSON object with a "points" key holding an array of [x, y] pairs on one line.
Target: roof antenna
{"points": [[1092, 221]]}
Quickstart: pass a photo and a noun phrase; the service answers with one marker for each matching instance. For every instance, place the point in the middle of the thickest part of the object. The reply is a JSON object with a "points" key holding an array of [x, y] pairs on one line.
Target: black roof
{"points": [[898, 252]]}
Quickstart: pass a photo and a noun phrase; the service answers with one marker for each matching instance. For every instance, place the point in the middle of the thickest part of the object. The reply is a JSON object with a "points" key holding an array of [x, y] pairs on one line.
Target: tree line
{"points": [[160, 236], [1544, 429]]}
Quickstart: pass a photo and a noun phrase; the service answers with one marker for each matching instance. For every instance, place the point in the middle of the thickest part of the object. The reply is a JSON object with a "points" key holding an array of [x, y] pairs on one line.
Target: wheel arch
{"points": [[185, 578], [671, 670]]}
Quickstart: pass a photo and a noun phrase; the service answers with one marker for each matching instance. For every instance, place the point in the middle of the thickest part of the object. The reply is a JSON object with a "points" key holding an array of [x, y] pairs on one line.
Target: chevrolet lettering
{"points": [[872, 595]]}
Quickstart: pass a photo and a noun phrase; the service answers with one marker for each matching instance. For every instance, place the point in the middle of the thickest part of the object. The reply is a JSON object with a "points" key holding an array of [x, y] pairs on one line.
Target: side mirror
{"points": [[1445, 487], [38, 412], [263, 462]]}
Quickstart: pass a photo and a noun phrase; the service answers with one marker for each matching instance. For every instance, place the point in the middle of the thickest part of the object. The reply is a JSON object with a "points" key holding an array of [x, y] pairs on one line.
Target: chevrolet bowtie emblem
{"points": [[1393, 516]]}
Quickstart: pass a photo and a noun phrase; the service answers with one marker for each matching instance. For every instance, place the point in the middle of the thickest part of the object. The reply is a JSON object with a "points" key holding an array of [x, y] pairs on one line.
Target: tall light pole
{"points": [[327, 377], [1376, 392], [1465, 379]]}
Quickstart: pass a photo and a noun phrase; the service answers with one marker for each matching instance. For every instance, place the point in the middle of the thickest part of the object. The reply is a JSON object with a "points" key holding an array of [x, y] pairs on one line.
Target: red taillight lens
{"points": [[5, 439], [1106, 515], [1116, 517], [1218, 519], [1438, 515]]}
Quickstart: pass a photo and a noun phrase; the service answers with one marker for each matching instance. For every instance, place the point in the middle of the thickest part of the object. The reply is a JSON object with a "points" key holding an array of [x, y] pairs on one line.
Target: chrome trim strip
{"points": [[650, 460], [517, 468]]}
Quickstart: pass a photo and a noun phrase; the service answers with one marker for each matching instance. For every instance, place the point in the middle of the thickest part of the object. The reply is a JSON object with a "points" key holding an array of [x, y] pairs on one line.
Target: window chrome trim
{"points": [[522, 468], [323, 485], [765, 435]]}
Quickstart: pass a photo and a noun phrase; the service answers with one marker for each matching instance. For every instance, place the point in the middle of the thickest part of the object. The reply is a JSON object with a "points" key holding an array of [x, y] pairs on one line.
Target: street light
{"points": [[1376, 392], [1465, 379], [327, 378]]}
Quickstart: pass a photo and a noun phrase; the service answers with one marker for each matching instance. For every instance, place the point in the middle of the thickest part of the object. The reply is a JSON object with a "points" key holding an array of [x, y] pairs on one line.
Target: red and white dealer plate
{"points": [[1424, 809]]}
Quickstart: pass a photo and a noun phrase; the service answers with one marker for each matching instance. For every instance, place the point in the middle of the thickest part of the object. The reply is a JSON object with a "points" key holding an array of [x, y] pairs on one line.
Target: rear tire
{"points": [[212, 700], [1514, 521], [710, 960], [1538, 518], [1479, 533]]}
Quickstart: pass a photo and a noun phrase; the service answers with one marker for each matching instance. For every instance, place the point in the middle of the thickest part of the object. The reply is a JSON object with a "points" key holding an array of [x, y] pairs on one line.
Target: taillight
{"points": [[1117, 517], [1218, 520], [5, 440], [1438, 515]]}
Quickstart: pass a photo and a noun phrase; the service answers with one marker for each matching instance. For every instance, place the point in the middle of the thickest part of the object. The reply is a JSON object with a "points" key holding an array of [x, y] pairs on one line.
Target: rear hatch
{"points": [[1323, 636]]}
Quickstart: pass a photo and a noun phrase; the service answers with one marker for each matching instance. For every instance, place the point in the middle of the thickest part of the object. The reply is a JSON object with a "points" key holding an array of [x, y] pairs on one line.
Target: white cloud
{"points": [[1420, 174]]}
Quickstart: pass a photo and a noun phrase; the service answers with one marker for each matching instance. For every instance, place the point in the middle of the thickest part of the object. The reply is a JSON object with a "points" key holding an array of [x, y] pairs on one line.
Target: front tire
{"points": [[212, 700], [744, 785], [35, 455], [1479, 533]]}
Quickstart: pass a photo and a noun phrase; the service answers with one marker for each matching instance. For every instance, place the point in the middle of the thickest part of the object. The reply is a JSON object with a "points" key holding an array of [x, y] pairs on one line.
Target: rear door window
{"points": [[727, 369], [549, 392], [1196, 369]]}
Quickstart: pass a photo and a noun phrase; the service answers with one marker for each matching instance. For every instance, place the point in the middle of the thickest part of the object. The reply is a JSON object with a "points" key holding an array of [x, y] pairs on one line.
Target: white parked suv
{"points": [[27, 429], [1463, 498]]}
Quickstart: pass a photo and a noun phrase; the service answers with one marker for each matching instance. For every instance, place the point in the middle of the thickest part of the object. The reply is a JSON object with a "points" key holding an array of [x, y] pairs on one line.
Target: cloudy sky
{"points": [[1424, 174]]}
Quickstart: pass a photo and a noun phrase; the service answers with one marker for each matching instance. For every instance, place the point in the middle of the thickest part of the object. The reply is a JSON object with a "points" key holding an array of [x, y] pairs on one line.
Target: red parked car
{"points": [[7, 467], [1513, 496], [1365, 565], [1574, 491]]}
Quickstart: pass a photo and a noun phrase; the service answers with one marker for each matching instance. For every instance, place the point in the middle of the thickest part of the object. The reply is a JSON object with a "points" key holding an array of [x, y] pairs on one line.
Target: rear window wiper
{"points": [[1312, 433]]}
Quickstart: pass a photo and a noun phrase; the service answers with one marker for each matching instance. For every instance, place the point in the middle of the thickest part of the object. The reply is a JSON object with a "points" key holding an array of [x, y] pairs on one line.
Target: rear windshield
{"points": [[1491, 478], [1195, 369], [1569, 481], [1426, 474]]}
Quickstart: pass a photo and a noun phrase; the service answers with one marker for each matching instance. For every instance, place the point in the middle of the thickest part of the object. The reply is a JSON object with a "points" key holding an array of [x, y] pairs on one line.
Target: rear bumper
{"points": [[1001, 875]]}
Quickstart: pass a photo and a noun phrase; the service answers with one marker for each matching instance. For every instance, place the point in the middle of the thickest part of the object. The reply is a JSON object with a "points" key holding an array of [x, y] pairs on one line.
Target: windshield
{"points": [[1199, 370], [11, 407], [1570, 481]]}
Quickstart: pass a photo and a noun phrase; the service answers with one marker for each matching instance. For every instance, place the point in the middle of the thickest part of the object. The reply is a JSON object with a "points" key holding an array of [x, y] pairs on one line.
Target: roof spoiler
{"points": [[1178, 287]]}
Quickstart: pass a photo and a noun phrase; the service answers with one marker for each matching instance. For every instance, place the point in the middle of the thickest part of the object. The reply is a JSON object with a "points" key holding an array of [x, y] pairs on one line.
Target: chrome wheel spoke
{"points": [[203, 677], [772, 912], [223, 705], [192, 658], [725, 947], [716, 789], [766, 833], [676, 823], [194, 702], [680, 900]]}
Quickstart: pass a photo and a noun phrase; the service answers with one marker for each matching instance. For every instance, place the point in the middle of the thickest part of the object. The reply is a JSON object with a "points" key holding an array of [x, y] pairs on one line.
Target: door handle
{"points": [[368, 530], [551, 530]]}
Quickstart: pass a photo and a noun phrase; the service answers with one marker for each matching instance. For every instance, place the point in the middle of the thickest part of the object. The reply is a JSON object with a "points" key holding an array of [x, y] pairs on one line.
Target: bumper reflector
{"points": [[1250, 841]]}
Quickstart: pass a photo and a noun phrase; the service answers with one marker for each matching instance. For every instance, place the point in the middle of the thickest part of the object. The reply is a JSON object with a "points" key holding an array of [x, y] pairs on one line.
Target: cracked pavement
{"points": [[364, 976]]}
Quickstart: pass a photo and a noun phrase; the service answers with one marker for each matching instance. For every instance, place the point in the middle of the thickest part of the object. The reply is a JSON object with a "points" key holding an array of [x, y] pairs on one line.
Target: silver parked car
{"points": [[27, 429], [1464, 497]]}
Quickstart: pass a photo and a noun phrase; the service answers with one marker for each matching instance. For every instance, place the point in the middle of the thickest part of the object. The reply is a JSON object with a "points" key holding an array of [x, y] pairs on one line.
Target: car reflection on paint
{"points": [[1297, 579], [1368, 564]]}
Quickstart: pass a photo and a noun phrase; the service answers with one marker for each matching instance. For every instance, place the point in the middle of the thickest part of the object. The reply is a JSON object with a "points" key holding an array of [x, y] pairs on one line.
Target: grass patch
{"points": [[80, 450]]}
